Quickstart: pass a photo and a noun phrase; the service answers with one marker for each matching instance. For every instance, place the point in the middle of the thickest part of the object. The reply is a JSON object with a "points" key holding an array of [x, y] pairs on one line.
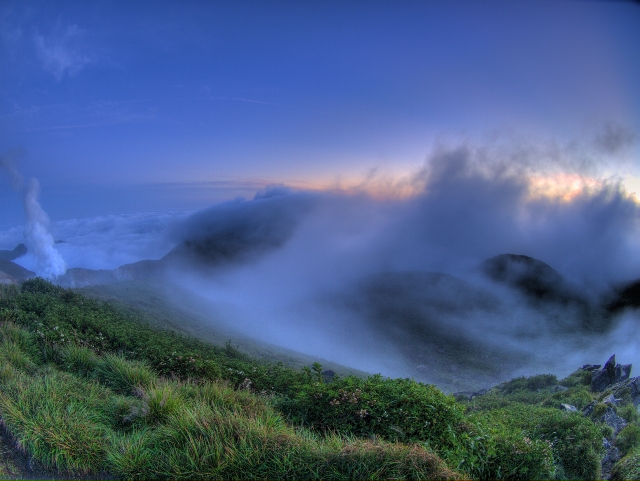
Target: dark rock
{"points": [[588, 409], [611, 399], [622, 372], [604, 377], [615, 422], [610, 458], [634, 387], [591, 367]]}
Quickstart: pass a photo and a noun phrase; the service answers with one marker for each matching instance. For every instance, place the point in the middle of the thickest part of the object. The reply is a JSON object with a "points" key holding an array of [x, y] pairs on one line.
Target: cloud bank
{"points": [[395, 283], [328, 284]]}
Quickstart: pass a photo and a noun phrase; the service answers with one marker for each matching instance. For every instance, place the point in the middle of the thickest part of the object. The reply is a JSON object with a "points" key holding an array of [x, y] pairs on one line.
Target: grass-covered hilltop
{"points": [[88, 390]]}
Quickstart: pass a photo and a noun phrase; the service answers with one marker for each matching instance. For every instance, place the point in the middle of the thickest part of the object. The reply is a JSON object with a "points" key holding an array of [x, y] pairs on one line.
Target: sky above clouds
{"points": [[122, 107]]}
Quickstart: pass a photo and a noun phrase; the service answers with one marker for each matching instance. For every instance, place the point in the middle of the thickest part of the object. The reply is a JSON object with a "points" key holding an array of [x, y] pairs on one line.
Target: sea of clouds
{"points": [[290, 255]]}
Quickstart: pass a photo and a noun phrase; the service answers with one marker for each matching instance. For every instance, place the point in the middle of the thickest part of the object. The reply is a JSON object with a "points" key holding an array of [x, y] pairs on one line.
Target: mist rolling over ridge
{"points": [[383, 285], [471, 280]]}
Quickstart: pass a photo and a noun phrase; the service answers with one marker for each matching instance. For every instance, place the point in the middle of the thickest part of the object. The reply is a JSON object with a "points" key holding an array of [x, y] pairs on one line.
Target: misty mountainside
{"points": [[153, 302], [456, 333], [7, 255], [543, 287], [423, 315], [90, 391], [535, 279], [226, 234], [10, 272]]}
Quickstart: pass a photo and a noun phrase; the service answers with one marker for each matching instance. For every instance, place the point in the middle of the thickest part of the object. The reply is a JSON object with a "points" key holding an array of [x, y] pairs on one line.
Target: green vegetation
{"points": [[628, 467], [90, 390]]}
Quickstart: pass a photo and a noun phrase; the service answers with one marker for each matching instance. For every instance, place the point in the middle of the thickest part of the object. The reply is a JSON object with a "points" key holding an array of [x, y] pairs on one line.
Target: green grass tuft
{"points": [[123, 376]]}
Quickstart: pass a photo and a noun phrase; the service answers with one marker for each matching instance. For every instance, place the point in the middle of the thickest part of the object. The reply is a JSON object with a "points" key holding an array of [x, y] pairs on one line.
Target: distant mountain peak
{"points": [[534, 278], [19, 250]]}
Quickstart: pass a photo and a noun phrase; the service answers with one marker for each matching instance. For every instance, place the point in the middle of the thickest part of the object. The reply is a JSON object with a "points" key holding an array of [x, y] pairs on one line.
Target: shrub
{"points": [[489, 448], [628, 467], [533, 383], [39, 286], [629, 412], [396, 409], [576, 441], [577, 378], [628, 438], [578, 397]]}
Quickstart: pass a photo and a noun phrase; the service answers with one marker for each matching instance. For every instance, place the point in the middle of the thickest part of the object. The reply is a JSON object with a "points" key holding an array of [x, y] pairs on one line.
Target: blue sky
{"points": [[123, 107]]}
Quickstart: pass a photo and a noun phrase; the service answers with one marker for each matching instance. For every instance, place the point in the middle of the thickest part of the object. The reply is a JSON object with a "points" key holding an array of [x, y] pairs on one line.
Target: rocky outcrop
{"points": [[610, 374]]}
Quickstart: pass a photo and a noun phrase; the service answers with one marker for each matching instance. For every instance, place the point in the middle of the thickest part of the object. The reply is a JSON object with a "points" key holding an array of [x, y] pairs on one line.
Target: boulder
{"points": [[623, 371], [611, 399], [591, 367], [610, 374], [634, 387], [615, 422], [612, 455]]}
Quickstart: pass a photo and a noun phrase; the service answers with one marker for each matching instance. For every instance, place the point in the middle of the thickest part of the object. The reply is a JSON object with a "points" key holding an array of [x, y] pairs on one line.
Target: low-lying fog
{"points": [[406, 286]]}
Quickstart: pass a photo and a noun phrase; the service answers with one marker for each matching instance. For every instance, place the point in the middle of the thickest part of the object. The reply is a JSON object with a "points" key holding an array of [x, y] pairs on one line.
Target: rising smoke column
{"points": [[40, 243]]}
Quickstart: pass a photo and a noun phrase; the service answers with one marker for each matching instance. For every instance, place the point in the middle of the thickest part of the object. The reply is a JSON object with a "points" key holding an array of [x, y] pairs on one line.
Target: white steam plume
{"points": [[40, 244]]}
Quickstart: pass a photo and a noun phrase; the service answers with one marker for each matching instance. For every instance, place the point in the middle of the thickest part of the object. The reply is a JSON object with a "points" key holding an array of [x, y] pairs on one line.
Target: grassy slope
{"points": [[192, 316], [147, 391]]}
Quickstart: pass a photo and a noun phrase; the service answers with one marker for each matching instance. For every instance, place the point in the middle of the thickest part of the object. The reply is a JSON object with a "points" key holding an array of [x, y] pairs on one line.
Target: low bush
{"points": [[108, 375], [628, 467], [629, 412], [533, 383], [579, 397], [577, 378], [396, 409], [628, 439], [576, 441]]}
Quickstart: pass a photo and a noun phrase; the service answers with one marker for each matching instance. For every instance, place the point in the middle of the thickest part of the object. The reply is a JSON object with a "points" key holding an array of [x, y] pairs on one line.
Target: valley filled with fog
{"points": [[470, 280]]}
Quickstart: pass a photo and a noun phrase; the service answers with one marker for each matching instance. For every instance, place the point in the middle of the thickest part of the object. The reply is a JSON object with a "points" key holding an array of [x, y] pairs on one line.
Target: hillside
{"points": [[91, 391], [463, 332], [193, 316]]}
